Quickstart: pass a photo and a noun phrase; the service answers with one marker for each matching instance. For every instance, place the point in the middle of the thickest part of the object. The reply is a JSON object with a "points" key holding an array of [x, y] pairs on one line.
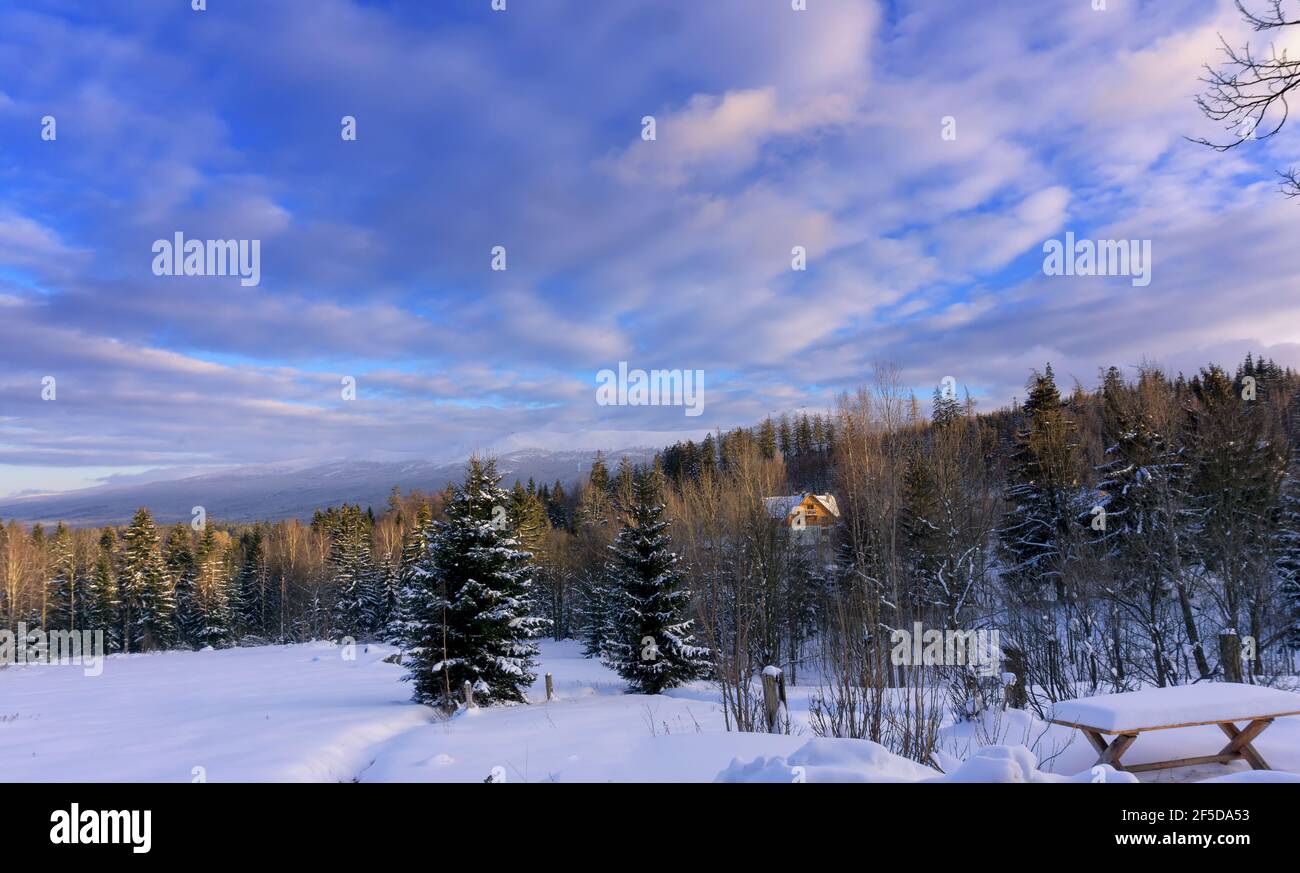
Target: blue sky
{"points": [[775, 128]]}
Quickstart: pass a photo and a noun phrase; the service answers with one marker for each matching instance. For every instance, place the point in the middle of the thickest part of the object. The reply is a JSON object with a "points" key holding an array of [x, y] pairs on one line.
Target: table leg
{"points": [[1110, 753], [1241, 740], [1096, 739]]}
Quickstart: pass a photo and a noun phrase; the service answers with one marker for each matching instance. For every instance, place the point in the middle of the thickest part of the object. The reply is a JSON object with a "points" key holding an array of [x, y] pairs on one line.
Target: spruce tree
{"points": [[529, 518], [593, 596], [359, 604], [102, 601], [708, 457], [803, 437], [390, 595], [944, 407], [592, 527], [414, 545], [652, 646], [623, 486], [1142, 503], [593, 506], [315, 624], [178, 556], [556, 511], [472, 600], [148, 602], [67, 588], [820, 444], [1041, 486], [209, 617], [598, 476], [923, 540], [1238, 460], [254, 601], [784, 437]]}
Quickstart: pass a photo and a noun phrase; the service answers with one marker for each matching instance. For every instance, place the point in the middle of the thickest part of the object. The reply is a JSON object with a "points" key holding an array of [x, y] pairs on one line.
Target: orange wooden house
{"points": [[810, 517]]}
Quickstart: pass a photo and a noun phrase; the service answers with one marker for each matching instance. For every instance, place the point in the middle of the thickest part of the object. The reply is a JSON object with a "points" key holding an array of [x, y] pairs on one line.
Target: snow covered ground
{"points": [[307, 713], [276, 713]]}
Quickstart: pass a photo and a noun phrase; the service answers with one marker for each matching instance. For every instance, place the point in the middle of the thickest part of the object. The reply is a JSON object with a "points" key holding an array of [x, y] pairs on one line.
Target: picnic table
{"points": [[1131, 713]]}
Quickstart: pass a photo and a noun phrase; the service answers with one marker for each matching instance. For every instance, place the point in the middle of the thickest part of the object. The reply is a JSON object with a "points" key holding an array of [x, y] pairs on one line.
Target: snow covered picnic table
{"points": [[1154, 709]]}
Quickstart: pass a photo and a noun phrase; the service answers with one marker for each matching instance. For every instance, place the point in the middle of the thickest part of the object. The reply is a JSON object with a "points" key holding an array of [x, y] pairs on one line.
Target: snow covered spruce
{"points": [[467, 611], [469, 605], [648, 640]]}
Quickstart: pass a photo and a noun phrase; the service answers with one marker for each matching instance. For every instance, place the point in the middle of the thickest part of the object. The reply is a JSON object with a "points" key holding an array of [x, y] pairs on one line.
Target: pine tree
{"points": [[529, 518], [40, 614], [390, 595], [709, 457], [556, 510], [598, 476], [944, 406], [593, 596], [148, 602], [591, 525], [67, 588], [315, 624], [803, 437], [652, 645], [395, 502], [102, 601], [209, 618], [767, 438], [359, 605], [414, 545], [923, 541], [1142, 501], [623, 486], [178, 556], [819, 441], [593, 506], [471, 603], [1237, 463], [253, 603], [1041, 485]]}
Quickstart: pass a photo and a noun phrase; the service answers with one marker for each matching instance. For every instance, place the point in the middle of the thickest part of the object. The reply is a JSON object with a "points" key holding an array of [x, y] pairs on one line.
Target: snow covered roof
{"points": [[828, 501], [781, 507]]}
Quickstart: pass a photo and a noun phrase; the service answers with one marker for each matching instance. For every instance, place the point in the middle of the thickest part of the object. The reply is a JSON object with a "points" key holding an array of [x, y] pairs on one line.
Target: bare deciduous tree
{"points": [[1250, 93]]}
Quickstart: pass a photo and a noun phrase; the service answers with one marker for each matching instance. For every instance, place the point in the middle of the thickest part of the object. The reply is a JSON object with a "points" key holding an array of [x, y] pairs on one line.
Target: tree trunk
{"points": [[1230, 655]]}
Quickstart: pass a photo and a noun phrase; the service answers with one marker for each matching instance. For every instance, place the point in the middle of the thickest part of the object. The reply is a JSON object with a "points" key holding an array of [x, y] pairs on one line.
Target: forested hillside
{"points": [[1110, 534]]}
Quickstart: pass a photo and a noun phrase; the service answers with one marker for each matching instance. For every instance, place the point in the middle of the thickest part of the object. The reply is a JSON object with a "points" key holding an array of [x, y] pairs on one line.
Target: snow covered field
{"points": [[305, 713]]}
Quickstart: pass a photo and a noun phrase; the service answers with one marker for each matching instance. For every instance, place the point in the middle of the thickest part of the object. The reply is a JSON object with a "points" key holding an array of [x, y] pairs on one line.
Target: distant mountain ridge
{"points": [[292, 490]]}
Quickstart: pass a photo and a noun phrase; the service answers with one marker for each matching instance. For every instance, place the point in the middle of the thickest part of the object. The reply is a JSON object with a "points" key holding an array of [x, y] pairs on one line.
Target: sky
{"points": [[920, 153]]}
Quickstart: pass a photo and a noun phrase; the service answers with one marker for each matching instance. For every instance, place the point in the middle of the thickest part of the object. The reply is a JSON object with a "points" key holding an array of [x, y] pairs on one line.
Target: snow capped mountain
{"points": [[292, 489]]}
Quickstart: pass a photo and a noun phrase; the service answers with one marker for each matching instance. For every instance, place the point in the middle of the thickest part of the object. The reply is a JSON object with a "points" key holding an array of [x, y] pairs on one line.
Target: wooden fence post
{"points": [[467, 691], [773, 698], [1230, 655], [550, 688], [1017, 694]]}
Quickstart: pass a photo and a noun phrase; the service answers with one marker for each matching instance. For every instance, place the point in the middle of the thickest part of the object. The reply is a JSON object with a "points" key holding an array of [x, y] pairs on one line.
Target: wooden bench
{"points": [[1156, 709]]}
